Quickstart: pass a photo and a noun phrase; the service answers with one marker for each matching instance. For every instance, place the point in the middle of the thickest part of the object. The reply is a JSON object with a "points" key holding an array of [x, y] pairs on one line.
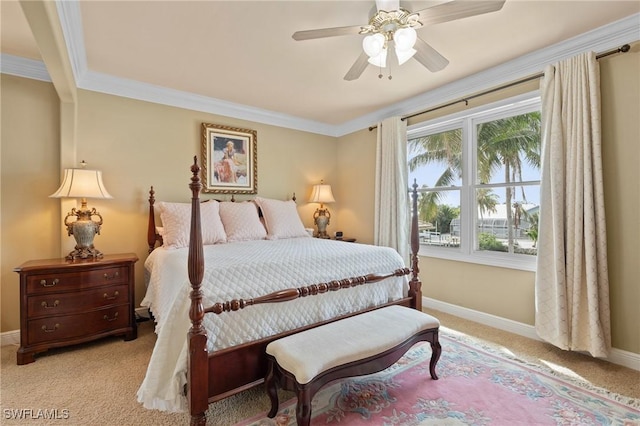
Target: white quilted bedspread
{"points": [[246, 270]]}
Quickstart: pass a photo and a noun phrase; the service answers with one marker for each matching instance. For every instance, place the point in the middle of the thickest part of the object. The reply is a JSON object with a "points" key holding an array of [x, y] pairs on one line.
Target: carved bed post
{"points": [[151, 230], [415, 286], [198, 358]]}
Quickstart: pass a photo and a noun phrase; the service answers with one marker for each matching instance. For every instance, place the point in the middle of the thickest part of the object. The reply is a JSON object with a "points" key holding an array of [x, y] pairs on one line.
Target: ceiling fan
{"points": [[394, 26]]}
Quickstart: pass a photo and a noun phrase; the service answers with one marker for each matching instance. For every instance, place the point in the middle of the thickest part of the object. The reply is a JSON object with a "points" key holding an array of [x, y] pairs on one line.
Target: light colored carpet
{"points": [[97, 382]]}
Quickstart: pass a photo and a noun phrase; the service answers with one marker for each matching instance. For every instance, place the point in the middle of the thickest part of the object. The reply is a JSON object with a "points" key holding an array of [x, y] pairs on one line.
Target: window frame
{"points": [[468, 121]]}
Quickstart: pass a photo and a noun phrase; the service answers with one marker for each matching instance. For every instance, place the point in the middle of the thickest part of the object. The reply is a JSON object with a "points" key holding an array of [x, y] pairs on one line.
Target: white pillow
{"points": [[241, 221], [281, 219], [176, 223]]}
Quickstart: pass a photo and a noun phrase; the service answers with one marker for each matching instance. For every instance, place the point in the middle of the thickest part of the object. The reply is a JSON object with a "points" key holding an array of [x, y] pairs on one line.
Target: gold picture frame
{"points": [[230, 159]]}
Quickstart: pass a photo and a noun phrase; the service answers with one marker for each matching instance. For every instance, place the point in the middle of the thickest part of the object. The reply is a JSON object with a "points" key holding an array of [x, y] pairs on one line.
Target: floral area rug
{"points": [[478, 385]]}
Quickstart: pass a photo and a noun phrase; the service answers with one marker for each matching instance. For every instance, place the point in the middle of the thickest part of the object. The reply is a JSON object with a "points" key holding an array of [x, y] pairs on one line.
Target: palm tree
{"points": [[503, 143], [487, 201], [506, 143], [444, 148], [532, 232], [444, 217], [427, 206]]}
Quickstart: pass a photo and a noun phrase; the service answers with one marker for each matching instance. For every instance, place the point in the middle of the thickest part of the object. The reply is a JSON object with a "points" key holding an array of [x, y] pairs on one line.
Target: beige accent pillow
{"points": [[241, 221], [281, 219], [176, 223]]}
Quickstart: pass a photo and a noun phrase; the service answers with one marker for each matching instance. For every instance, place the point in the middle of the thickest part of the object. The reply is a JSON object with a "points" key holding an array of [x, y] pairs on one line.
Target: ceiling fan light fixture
{"points": [[380, 60], [373, 44], [405, 55], [405, 38]]}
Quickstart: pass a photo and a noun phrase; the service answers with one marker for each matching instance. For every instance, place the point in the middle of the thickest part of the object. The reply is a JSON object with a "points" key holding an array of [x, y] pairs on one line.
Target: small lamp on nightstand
{"points": [[83, 184], [322, 194]]}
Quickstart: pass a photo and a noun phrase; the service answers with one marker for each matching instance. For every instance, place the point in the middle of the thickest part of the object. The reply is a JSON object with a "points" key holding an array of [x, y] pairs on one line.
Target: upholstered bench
{"points": [[354, 346]]}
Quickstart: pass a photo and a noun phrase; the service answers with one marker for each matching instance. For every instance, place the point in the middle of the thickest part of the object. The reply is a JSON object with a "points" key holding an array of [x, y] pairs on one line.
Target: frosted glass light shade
{"points": [[321, 194], [380, 60], [404, 55], [81, 183], [405, 38], [373, 44]]}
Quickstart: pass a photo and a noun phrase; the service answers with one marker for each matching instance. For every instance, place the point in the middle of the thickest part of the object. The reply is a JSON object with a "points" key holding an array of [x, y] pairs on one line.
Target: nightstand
{"points": [[64, 302], [346, 240]]}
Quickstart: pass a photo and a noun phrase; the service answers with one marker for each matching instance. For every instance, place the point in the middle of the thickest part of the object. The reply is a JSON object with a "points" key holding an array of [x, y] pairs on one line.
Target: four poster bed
{"points": [[232, 269]]}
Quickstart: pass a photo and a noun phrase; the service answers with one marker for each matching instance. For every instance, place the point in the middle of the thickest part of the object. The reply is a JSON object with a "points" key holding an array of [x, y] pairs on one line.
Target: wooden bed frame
{"points": [[212, 377]]}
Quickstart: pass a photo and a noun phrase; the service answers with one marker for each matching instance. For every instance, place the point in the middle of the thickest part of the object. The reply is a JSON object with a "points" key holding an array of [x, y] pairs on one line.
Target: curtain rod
{"points": [[625, 48]]}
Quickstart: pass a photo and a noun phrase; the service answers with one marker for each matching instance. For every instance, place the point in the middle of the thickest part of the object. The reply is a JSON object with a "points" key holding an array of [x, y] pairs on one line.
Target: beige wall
{"points": [[356, 169], [135, 144], [509, 293], [31, 222], [620, 87]]}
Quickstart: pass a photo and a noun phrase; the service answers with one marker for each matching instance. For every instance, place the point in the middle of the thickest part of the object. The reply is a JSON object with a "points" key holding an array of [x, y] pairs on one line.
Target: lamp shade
{"points": [[373, 44], [405, 38], [380, 60], [321, 194], [81, 183], [404, 55]]}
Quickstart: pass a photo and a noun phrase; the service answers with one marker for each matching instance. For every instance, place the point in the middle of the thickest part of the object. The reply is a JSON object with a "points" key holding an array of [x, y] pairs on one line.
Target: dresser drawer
{"points": [[74, 302], [67, 327], [55, 282], [65, 302]]}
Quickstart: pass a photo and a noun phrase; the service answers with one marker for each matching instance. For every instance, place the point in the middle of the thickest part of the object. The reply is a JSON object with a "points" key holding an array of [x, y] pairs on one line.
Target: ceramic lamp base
{"points": [[84, 230]]}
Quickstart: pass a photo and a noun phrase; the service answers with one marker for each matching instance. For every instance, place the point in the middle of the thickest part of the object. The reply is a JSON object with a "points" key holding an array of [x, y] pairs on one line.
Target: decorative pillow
{"points": [[281, 219], [176, 223], [241, 221]]}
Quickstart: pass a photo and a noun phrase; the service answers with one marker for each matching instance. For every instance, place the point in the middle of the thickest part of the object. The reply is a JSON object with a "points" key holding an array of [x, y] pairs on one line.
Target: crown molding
{"points": [[604, 38], [23, 67], [108, 84], [71, 24]]}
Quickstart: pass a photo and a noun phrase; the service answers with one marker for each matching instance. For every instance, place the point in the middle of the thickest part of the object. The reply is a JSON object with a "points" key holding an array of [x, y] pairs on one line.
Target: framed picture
{"points": [[229, 158]]}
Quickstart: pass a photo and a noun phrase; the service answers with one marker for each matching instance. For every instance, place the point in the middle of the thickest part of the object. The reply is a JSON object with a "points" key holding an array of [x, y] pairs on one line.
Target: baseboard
{"points": [[617, 356], [10, 338]]}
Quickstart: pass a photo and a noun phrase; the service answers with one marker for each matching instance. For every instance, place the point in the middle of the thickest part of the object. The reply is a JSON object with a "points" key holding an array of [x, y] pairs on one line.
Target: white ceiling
{"points": [[241, 54]]}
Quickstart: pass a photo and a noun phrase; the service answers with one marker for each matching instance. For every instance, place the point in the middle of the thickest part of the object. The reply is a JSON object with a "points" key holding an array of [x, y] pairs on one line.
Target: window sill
{"points": [[514, 261]]}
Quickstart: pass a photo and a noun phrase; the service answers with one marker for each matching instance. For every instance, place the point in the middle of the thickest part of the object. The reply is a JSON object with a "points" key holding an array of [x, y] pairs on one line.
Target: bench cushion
{"points": [[311, 352]]}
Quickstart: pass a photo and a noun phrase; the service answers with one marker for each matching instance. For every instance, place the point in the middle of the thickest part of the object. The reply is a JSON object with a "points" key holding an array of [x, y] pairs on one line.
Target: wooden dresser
{"points": [[64, 302]]}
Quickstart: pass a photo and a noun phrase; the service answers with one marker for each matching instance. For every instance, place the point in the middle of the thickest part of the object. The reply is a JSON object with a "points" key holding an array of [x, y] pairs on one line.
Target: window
{"points": [[478, 176]]}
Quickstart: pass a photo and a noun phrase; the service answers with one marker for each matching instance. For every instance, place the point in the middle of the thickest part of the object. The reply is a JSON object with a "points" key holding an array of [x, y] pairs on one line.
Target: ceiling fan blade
{"points": [[429, 57], [388, 5], [357, 68], [326, 32], [457, 10]]}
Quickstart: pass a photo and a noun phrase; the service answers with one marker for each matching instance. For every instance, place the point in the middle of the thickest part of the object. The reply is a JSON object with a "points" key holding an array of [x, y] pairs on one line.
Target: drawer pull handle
{"points": [[115, 317], [50, 330], [115, 294], [43, 283], [111, 277], [46, 304]]}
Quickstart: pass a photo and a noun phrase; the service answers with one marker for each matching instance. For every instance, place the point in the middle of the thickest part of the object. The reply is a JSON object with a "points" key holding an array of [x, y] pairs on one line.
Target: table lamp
{"points": [[321, 194], [83, 184]]}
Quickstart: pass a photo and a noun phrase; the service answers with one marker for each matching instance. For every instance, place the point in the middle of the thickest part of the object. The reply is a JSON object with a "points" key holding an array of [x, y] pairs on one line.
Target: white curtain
{"points": [[572, 284], [391, 197]]}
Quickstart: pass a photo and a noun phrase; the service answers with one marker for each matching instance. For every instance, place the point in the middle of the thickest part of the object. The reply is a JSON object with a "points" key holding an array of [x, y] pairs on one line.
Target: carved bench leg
{"points": [[303, 408], [436, 350], [270, 383]]}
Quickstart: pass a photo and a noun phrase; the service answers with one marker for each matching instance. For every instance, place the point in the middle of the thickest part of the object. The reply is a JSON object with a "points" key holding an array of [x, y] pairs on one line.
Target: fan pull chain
{"points": [[380, 75]]}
